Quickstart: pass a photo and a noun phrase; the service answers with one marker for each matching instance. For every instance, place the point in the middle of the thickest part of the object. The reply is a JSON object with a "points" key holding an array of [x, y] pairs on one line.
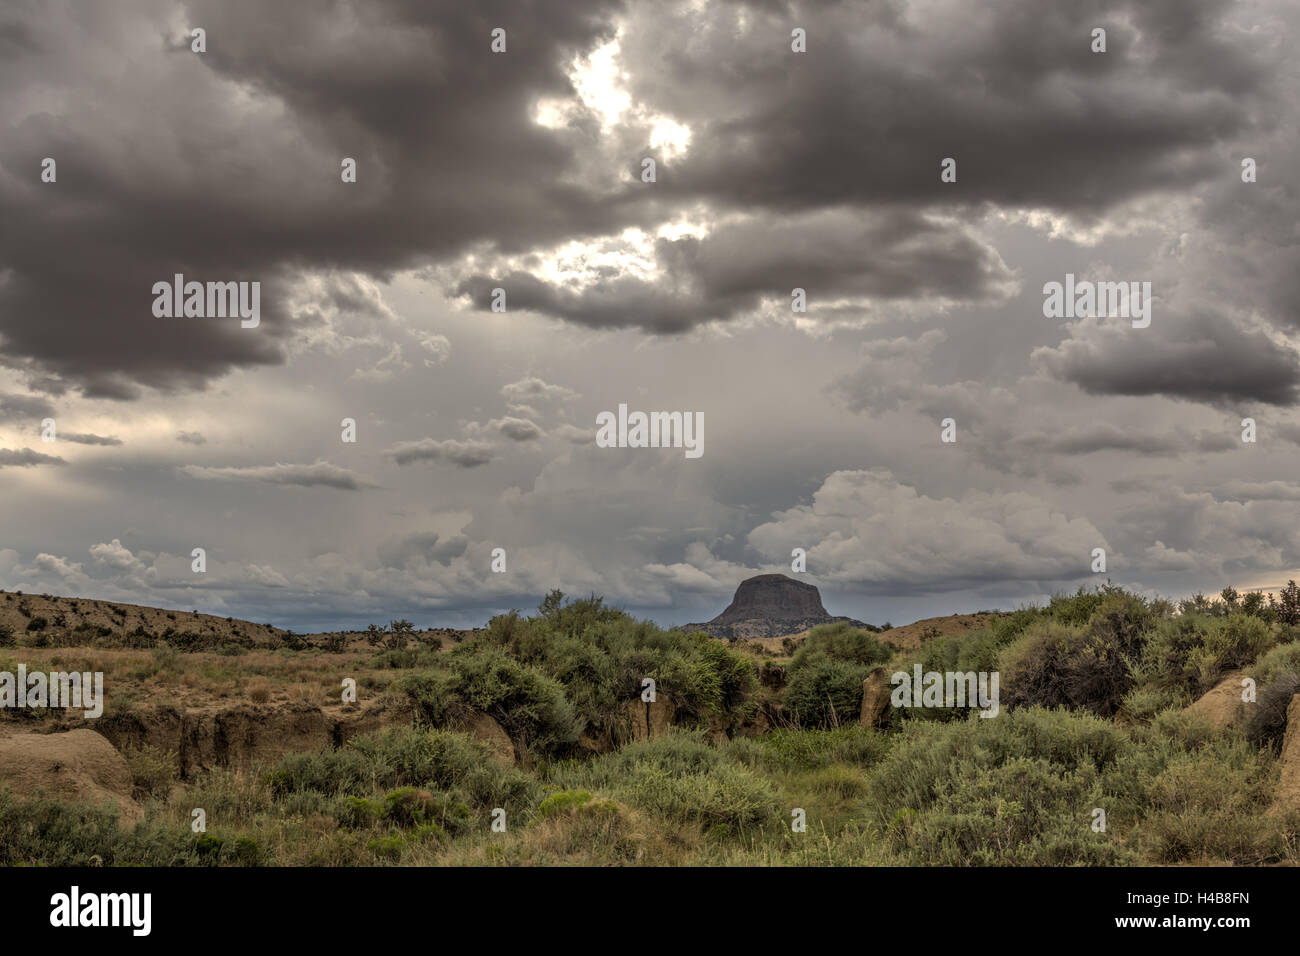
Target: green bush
{"points": [[727, 796], [824, 692], [1285, 658], [1201, 809], [531, 707], [1193, 651], [786, 750], [431, 759], [575, 667], [842, 642], [562, 802], [1054, 665], [1018, 789]]}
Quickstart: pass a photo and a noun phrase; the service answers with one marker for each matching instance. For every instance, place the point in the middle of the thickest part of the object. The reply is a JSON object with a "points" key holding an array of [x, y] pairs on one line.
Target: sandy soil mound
{"points": [[1221, 705], [911, 635], [79, 765]]}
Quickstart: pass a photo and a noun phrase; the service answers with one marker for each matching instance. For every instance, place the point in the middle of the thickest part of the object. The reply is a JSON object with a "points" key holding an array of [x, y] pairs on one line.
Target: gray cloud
{"points": [[319, 474], [83, 438], [26, 458], [465, 454], [1201, 357]]}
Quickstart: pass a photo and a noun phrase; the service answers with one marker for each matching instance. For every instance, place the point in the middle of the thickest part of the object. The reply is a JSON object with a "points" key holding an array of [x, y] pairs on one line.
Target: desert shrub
{"points": [[561, 802], [408, 807], [57, 833], [434, 760], [357, 813], [407, 658], [575, 825], [925, 753], [1077, 608], [246, 851], [430, 694], [684, 752], [531, 707], [153, 770], [191, 642], [1053, 665], [826, 674], [727, 800], [679, 778], [786, 750], [842, 642], [1020, 813], [259, 690], [1019, 789], [1285, 658], [824, 692], [839, 782], [7, 635], [1236, 641], [1145, 702], [1193, 651], [578, 665], [345, 771], [388, 847], [1202, 808]]}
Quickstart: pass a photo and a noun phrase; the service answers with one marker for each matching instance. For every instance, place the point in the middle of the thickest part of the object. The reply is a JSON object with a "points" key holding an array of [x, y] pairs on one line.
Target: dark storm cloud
{"points": [[321, 474], [1103, 436], [1201, 357], [831, 255], [191, 438], [26, 458], [1033, 117], [162, 169], [225, 165], [85, 438]]}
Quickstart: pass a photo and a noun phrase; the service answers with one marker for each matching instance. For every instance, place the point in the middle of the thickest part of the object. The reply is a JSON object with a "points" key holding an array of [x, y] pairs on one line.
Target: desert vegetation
{"points": [[538, 724]]}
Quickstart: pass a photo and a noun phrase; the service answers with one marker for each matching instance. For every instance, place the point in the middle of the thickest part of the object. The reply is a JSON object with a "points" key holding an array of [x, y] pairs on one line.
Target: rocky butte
{"points": [[770, 605]]}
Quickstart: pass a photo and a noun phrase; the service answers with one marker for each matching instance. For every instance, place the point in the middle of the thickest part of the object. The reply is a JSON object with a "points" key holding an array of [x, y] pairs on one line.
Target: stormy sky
{"points": [[523, 170]]}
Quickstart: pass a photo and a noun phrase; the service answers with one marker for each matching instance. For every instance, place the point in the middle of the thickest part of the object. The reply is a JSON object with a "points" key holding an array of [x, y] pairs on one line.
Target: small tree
{"points": [[398, 634], [1287, 608]]}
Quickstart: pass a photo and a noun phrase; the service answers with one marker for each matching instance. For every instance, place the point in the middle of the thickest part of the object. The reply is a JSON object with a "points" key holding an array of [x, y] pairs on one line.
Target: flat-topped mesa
{"points": [[773, 596], [770, 605]]}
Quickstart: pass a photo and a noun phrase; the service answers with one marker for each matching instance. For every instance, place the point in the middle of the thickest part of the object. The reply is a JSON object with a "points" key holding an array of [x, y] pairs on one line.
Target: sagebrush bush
{"points": [[1201, 809], [842, 642], [824, 692], [1054, 665], [1019, 788], [576, 667], [430, 759], [679, 777], [1193, 651], [1280, 660]]}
